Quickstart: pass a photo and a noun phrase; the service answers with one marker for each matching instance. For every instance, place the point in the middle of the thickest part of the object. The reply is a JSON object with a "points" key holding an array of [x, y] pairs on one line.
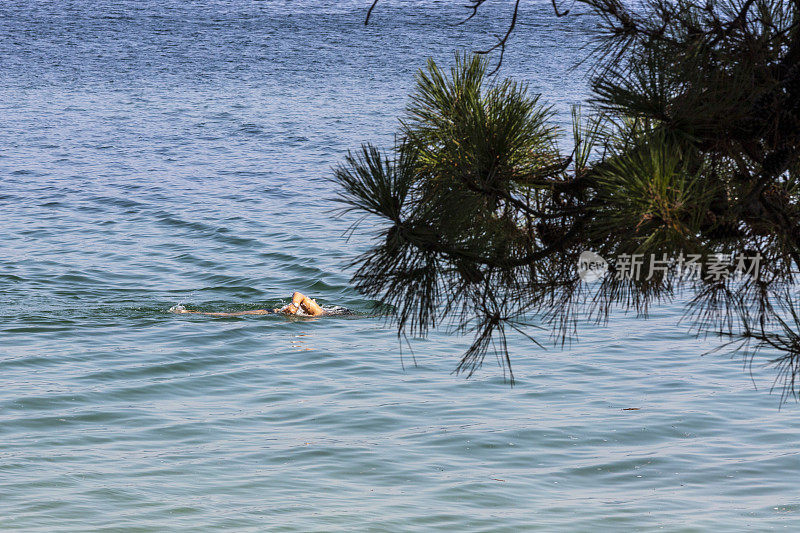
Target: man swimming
{"points": [[300, 303]]}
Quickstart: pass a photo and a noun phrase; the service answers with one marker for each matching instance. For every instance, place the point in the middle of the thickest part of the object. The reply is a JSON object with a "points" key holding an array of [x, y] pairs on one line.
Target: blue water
{"points": [[159, 153]]}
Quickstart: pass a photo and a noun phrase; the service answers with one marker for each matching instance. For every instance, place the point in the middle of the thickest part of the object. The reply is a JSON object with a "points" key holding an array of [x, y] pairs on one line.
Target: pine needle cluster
{"points": [[692, 148]]}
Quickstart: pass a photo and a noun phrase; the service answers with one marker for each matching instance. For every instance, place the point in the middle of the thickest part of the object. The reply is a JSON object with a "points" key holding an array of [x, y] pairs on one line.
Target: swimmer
{"points": [[300, 302]]}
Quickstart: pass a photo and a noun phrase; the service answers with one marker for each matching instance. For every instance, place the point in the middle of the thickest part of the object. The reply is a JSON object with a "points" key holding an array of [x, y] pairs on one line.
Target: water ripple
{"points": [[165, 153]]}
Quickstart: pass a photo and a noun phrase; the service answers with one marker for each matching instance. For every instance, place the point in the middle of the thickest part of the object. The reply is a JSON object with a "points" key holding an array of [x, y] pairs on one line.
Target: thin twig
{"points": [[369, 12], [501, 42]]}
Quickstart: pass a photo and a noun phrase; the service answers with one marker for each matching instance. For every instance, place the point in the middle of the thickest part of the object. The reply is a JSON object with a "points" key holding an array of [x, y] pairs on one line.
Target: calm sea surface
{"points": [[157, 153]]}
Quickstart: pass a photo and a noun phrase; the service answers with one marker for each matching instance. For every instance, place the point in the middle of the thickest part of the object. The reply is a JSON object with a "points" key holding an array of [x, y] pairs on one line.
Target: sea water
{"points": [[155, 154]]}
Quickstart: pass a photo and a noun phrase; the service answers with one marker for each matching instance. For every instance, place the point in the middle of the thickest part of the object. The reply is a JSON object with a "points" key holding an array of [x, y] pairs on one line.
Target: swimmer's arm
{"points": [[238, 313], [309, 306]]}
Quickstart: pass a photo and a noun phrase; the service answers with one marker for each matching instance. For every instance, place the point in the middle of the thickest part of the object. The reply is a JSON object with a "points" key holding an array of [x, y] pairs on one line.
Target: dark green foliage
{"points": [[693, 147]]}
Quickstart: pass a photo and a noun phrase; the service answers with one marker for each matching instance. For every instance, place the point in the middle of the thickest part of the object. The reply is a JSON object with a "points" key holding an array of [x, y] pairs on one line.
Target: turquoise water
{"points": [[155, 154]]}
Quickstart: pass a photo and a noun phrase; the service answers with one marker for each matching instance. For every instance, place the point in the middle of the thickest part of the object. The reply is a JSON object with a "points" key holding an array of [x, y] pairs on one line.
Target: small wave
{"points": [[338, 310]]}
